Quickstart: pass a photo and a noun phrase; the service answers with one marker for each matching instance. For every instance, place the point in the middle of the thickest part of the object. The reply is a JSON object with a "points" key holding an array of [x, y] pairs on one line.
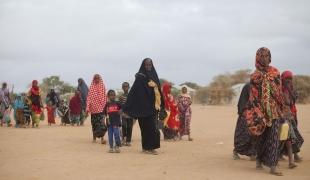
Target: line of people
{"points": [[147, 101], [144, 102], [29, 108], [266, 128]]}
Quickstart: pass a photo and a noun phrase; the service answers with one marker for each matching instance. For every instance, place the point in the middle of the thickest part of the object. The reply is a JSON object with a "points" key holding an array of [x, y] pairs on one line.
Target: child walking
{"points": [[50, 113], [63, 112], [112, 112], [75, 107], [19, 111], [127, 121], [184, 105], [27, 111]]}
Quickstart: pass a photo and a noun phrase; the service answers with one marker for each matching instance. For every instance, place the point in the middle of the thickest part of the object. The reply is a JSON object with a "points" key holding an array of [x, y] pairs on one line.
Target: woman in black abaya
{"points": [[144, 102]]}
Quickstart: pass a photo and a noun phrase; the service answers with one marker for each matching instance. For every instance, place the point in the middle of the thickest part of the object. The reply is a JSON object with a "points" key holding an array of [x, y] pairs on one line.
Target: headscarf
{"points": [[266, 100], [289, 91], [259, 58], [83, 88], [149, 74], [96, 99]]}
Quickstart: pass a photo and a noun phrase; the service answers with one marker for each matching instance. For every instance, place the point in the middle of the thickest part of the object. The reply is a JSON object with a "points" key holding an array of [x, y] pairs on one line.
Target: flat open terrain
{"points": [[59, 153]]}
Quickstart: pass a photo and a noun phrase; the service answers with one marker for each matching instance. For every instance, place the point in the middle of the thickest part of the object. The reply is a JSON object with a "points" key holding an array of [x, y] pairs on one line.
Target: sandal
{"points": [[292, 166], [273, 171], [235, 156], [276, 173]]}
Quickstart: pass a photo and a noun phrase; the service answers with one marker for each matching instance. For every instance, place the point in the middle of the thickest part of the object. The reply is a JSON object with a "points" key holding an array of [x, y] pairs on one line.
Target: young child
{"points": [[19, 111], [171, 122], [185, 116], [75, 107], [50, 113], [63, 112], [27, 111], [112, 112], [127, 122]]}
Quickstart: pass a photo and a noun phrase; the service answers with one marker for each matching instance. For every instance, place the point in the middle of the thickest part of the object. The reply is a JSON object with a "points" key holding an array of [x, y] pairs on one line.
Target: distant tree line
{"points": [[219, 91]]}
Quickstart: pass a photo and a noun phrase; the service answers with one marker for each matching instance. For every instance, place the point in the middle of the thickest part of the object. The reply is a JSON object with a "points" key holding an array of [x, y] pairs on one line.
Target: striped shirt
{"points": [[123, 98], [27, 110]]}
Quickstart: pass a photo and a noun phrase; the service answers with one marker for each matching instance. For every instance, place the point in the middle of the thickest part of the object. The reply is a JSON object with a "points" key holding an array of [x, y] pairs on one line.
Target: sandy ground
{"points": [[68, 153]]}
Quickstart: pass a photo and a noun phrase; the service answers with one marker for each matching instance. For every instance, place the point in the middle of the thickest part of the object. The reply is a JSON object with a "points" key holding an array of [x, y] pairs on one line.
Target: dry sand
{"points": [[68, 153]]}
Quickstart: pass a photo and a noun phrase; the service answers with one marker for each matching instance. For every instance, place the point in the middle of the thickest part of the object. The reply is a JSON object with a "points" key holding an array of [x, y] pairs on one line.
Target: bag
{"points": [[162, 114], [42, 117], [284, 131]]}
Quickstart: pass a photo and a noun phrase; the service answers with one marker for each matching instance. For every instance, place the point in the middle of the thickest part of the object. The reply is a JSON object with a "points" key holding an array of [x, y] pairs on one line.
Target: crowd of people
{"points": [[151, 104], [266, 128]]}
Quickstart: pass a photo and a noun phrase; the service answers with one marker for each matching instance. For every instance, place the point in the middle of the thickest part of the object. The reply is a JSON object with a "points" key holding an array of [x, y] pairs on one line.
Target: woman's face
{"points": [[97, 78], [148, 65], [265, 58], [35, 84]]}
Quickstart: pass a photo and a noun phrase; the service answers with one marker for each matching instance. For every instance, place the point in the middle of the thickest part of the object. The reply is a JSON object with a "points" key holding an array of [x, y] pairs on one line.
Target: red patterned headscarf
{"points": [[96, 99]]}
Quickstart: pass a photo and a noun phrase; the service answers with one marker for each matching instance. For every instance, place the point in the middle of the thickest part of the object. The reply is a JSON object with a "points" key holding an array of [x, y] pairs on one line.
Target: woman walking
{"points": [[265, 109], [144, 102], [83, 89], [244, 141], [36, 103], [96, 101]]}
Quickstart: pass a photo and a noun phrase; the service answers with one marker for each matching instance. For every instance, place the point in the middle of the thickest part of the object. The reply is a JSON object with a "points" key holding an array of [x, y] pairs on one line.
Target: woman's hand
{"points": [[152, 84]]}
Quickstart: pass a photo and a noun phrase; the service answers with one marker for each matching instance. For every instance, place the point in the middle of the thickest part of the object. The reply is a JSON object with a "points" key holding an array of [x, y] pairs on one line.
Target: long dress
{"points": [[50, 114], [96, 101], [83, 88], [244, 141], [4, 106], [185, 116], [144, 101]]}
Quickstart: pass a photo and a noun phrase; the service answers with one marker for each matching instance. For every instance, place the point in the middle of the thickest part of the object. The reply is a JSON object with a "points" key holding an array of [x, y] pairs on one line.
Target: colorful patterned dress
{"points": [[185, 113]]}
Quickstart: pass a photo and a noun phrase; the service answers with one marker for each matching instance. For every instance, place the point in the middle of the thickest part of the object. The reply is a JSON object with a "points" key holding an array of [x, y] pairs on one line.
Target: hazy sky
{"points": [[188, 40]]}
